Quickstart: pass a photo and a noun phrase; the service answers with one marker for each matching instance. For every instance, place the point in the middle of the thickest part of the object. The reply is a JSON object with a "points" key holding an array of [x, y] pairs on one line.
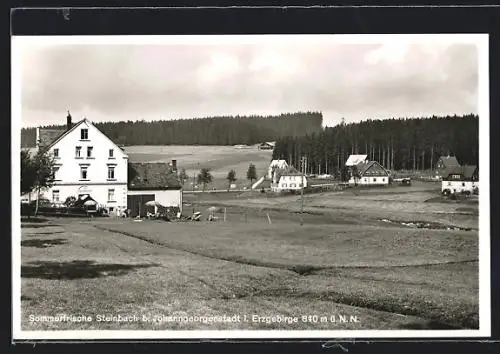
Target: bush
{"points": [[446, 192]]}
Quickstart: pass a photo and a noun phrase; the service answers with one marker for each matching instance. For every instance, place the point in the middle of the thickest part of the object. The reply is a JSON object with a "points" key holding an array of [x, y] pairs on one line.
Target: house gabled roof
{"points": [[287, 171], [449, 161], [278, 162], [467, 171], [355, 159], [46, 136], [76, 125], [64, 133], [152, 176], [365, 165]]}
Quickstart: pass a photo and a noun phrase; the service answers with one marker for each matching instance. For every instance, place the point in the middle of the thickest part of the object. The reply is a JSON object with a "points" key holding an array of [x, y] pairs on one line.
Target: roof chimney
{"points": [[174, 166], [69, 125]]}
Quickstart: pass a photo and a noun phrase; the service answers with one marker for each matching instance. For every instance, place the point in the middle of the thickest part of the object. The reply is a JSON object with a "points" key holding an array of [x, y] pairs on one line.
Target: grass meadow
{"points": [[343, 261]]}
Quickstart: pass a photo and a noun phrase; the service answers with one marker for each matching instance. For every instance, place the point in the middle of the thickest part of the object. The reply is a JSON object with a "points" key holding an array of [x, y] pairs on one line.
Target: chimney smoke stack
{"points": [[69, 124], [174, 166]]}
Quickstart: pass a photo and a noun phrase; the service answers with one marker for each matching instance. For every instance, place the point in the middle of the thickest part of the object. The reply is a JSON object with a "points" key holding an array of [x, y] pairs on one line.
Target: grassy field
{"points": [[344, 261], [220, 159]]}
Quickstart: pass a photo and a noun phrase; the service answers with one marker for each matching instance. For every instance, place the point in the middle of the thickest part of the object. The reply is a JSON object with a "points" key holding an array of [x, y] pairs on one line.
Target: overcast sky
{"points": [[168, 81]]}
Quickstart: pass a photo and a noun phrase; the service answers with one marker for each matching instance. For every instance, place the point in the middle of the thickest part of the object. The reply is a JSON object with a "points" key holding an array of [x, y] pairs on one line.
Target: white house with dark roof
{"points": [[369, 173], [458, 179], [287, 179], [86, 162]]}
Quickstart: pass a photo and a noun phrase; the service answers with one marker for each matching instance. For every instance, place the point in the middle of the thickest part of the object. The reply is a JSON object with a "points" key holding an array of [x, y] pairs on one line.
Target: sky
{"points": [[377, 80]]}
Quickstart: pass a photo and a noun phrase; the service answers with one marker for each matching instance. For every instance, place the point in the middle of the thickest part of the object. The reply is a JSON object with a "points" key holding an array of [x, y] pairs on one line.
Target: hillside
{"points": [[226, 130]]}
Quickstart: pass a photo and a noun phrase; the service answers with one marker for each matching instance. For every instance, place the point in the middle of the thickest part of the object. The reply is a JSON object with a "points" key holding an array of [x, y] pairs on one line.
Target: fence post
{"points": [[225, 214], [269, 218]]}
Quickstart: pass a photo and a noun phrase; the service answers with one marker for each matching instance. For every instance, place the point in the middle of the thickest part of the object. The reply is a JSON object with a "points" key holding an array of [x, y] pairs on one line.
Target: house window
{"points": [[78, 151], [111, 195], [83, 172], [463, 184], [55, 169], [84, 134], [55, 196], [283, 185], [89, 151], [383, 179], [449, 183], [366, 179], [111, 172], [374, 180], [56, 153], [111, 151]]}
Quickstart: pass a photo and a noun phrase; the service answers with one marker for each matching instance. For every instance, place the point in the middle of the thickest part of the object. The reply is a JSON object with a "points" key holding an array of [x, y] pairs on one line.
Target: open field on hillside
{"points": [[220, 159], [344, 260]]}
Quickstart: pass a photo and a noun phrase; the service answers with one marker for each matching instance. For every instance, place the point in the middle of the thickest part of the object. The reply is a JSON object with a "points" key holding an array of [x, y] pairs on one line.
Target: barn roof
{"points": [[355, 159], [467, 171], [449, 161], [152, 175]]}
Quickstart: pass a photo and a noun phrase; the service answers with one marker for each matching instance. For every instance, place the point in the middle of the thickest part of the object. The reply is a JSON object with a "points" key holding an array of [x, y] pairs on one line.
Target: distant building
{"points": [[445, 163], [460, 179], [153, 182], [281, 164], [369, 173], [268, 145], [287, 178]]}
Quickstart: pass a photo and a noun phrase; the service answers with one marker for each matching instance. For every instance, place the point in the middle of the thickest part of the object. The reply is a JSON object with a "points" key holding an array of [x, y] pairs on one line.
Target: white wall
{"points": [[290, 183], [369, 181], [97, 172], [171, 197], [275, 163], [459, 186], [98, 192]]}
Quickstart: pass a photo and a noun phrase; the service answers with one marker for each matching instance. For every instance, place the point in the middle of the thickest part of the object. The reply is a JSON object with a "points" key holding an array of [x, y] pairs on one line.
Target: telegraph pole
{"points": [[302, 191]]}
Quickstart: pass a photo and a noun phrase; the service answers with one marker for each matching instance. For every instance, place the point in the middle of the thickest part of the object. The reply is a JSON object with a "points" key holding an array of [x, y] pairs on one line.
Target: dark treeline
{"points": [[226, 130], [398, 144]]}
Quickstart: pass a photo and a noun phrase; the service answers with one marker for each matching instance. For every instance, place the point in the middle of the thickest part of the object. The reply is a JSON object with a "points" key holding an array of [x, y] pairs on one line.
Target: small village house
{"points": [[153, 182], [268, 145], [369, 173], [87, 162], [443, 164], [460, 179], [287, 179], [275, 164]]}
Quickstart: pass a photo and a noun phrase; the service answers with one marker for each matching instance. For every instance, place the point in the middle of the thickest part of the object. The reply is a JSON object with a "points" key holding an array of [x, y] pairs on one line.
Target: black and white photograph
{"points": [[254, 186]]}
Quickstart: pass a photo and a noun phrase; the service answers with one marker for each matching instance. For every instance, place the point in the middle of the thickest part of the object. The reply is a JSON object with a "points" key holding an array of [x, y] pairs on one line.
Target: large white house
{"points": [[86, 162]]}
